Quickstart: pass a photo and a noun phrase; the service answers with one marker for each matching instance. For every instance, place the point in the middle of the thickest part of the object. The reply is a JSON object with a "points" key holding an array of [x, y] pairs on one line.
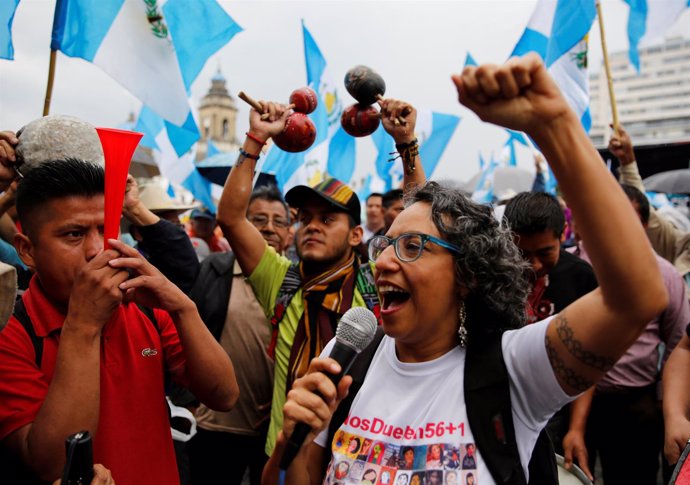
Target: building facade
{"points": [[654, 104], [217, 119]]}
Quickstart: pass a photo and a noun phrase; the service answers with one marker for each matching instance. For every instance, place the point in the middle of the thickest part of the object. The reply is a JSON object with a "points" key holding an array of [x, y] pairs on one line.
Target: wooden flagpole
{"points": [[607, 67], [49, 87]]}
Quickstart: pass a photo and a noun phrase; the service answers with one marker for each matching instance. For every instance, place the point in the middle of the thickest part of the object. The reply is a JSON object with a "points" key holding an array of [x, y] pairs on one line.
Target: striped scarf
{"points": [[325, 298]]}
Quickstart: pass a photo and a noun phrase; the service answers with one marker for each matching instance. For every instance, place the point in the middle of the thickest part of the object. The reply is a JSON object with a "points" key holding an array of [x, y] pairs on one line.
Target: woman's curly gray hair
{"points": [[490, 265]]}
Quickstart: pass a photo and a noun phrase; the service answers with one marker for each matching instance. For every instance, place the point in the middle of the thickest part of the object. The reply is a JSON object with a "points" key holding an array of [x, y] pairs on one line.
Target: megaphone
{"points": [[118, 148]]}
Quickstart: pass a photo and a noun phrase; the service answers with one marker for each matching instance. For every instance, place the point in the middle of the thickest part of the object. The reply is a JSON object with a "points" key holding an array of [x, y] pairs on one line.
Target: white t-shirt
{"points": [[408, 422]]}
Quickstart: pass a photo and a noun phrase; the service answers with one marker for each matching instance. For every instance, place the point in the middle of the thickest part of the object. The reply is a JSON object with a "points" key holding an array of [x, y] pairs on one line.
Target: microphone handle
{"points": [[345, 356], [294, 444]]}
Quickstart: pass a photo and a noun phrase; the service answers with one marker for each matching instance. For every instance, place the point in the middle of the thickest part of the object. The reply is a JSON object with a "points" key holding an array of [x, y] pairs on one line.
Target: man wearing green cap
{"points": [[303, 301]]}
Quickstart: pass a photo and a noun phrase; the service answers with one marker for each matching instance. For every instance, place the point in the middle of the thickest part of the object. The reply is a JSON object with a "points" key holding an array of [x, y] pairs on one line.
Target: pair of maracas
{"points": [[367, 87], [299, 132], [360, 119]]}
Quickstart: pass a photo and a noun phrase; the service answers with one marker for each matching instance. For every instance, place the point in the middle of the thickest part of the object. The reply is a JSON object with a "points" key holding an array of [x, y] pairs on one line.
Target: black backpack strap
{"points": [[489, 412], [211, 290], [288, 288], [358, 371], [148, 311], [23, 318], [542, 465]]}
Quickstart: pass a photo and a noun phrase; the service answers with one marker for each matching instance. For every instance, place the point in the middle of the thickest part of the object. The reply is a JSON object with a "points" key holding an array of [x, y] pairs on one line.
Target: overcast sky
{"points": [[415, 45]]}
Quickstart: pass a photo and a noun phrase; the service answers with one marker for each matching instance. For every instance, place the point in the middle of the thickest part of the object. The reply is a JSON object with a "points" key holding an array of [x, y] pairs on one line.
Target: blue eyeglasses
{"points": [[408, 247]]}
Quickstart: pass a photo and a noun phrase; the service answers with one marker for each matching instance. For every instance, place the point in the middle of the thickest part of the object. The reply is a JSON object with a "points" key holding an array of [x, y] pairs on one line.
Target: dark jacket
{"points": [[168, 248], [211, 290]]}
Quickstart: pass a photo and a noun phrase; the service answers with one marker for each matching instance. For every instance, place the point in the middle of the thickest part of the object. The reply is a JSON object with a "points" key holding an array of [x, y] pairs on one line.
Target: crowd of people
{"points": [[499, 342]]}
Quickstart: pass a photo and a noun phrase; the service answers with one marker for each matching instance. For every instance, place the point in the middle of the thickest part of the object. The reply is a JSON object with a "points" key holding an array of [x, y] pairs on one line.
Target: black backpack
{"points": [[489, 412]]}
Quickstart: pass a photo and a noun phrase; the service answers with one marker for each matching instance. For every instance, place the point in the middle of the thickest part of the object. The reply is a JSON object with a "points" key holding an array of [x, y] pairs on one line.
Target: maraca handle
{"points": [[250, 101], [255, 104], [399, 120]]}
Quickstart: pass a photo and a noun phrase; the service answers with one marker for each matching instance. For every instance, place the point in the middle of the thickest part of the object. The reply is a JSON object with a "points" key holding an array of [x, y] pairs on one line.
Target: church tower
{"points": [[217, 118]]}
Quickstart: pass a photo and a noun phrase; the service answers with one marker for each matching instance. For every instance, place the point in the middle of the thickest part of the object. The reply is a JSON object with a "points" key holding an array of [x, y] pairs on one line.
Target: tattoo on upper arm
{"points": [[575, 347], [566, 374]]}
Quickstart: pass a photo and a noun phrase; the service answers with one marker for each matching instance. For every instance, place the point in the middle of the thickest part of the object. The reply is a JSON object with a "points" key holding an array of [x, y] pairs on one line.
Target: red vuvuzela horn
{"points": [[118, 148]]}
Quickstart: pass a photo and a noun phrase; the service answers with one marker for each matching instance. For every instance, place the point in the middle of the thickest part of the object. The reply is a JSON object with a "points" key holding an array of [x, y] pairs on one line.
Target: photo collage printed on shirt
{"points": [[365, 461]]}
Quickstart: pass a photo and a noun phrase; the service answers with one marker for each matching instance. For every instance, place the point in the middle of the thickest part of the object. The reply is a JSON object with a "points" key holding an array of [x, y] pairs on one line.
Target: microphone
{"points": [[355, 331]]}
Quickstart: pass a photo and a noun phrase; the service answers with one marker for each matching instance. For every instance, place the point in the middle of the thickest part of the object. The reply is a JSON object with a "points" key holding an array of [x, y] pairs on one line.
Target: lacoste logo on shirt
{"points": [[148, 352]]}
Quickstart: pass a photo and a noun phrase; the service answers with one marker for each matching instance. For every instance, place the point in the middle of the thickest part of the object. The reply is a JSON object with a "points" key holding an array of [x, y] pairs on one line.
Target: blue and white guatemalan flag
{"points": [[557, 31], [153, 48], [514, 136], [7, 9], [178, 43], [648, 20], [333, 151], [171, 145]]}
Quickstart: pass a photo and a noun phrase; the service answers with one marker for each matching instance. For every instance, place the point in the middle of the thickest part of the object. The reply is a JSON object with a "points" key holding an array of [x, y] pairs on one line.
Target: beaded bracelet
{"points": [[402, 146], [255, 138], [246, 154]]}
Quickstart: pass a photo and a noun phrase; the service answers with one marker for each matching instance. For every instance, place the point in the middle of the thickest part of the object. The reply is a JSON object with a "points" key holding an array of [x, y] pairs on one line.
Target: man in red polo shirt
{"points": [[103, 359]]}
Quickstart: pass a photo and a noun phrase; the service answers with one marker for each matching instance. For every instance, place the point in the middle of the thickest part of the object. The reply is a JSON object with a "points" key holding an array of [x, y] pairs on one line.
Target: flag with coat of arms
{"points": [[155, 49]]}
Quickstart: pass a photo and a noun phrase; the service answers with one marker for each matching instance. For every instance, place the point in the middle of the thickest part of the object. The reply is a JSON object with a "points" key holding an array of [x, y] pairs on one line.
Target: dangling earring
{"points": [[462, 331]]}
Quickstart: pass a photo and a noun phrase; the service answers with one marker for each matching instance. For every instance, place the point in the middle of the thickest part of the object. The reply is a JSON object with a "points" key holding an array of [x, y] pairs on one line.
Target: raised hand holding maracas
{"points": [[406, 143], [291, 131]]}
